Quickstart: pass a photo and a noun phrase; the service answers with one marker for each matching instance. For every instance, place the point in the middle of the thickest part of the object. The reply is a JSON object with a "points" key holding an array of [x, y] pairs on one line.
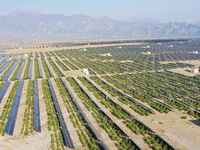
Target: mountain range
{"points": [[38, 26]]}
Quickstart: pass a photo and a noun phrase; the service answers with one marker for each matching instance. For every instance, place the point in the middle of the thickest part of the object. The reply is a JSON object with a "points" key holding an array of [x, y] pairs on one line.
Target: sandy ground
{"points": [[192, 62], [181, 131], [184, 71], [187, 71], [38, 141]]}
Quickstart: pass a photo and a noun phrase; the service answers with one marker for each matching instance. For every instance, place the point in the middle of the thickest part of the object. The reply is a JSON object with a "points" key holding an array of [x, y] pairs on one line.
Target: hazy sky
{"points": [[164, 10]]}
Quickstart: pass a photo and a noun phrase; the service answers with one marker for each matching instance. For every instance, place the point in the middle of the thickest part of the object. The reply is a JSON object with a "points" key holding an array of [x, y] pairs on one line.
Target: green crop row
{"points": [[135, 125], [27, 127], [121, 139], [86, 137], [53, 123], [122, 98], [46, 69], [37, 69], [7, 107]]}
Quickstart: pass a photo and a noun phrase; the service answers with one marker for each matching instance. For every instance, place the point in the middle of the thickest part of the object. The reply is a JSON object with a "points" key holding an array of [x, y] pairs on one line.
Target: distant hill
{"points": [[50, 26]]}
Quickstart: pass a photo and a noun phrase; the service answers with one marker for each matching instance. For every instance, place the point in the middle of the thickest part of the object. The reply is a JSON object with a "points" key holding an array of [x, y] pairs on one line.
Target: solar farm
{"points": [[130, 97]]}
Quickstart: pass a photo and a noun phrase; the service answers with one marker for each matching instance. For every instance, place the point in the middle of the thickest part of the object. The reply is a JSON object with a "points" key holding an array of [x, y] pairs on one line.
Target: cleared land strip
{"points": [[99, 132]]}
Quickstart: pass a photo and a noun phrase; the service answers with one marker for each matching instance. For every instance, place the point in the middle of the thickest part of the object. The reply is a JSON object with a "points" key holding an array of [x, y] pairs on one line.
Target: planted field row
{"points": [[56, 125], [4, 66], [7, 71], [55, 68], [53, 124], [46, 69], [137, 92], [86, 136], [111, 129], [136, 126], [31, 118], [17, 72], [37, 69], [68, 63], [10, 109], [61, 64], [3, 88], [154, 85], [137, 107], [27, 70]]}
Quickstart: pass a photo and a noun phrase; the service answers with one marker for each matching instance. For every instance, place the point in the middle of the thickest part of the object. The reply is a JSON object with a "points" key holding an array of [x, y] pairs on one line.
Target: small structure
{"points": [[146, 53], [148, 46], [195, 69], [195, 52], [25, 55], [86, 71], [106, 54]]}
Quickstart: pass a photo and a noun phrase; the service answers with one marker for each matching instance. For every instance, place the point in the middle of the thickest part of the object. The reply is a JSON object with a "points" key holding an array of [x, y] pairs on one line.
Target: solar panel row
{"points": [[3, 90], [9, 72], [36, 115], [13, 113], [65, 134]]}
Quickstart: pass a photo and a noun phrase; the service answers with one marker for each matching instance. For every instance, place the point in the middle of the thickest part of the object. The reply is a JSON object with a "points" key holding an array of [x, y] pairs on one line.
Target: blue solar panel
{"points": [[65, 134], [2, 60], [3, 67], [10, 71], [36, 115], [19, 72], [13, 113], [3, 90]]}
